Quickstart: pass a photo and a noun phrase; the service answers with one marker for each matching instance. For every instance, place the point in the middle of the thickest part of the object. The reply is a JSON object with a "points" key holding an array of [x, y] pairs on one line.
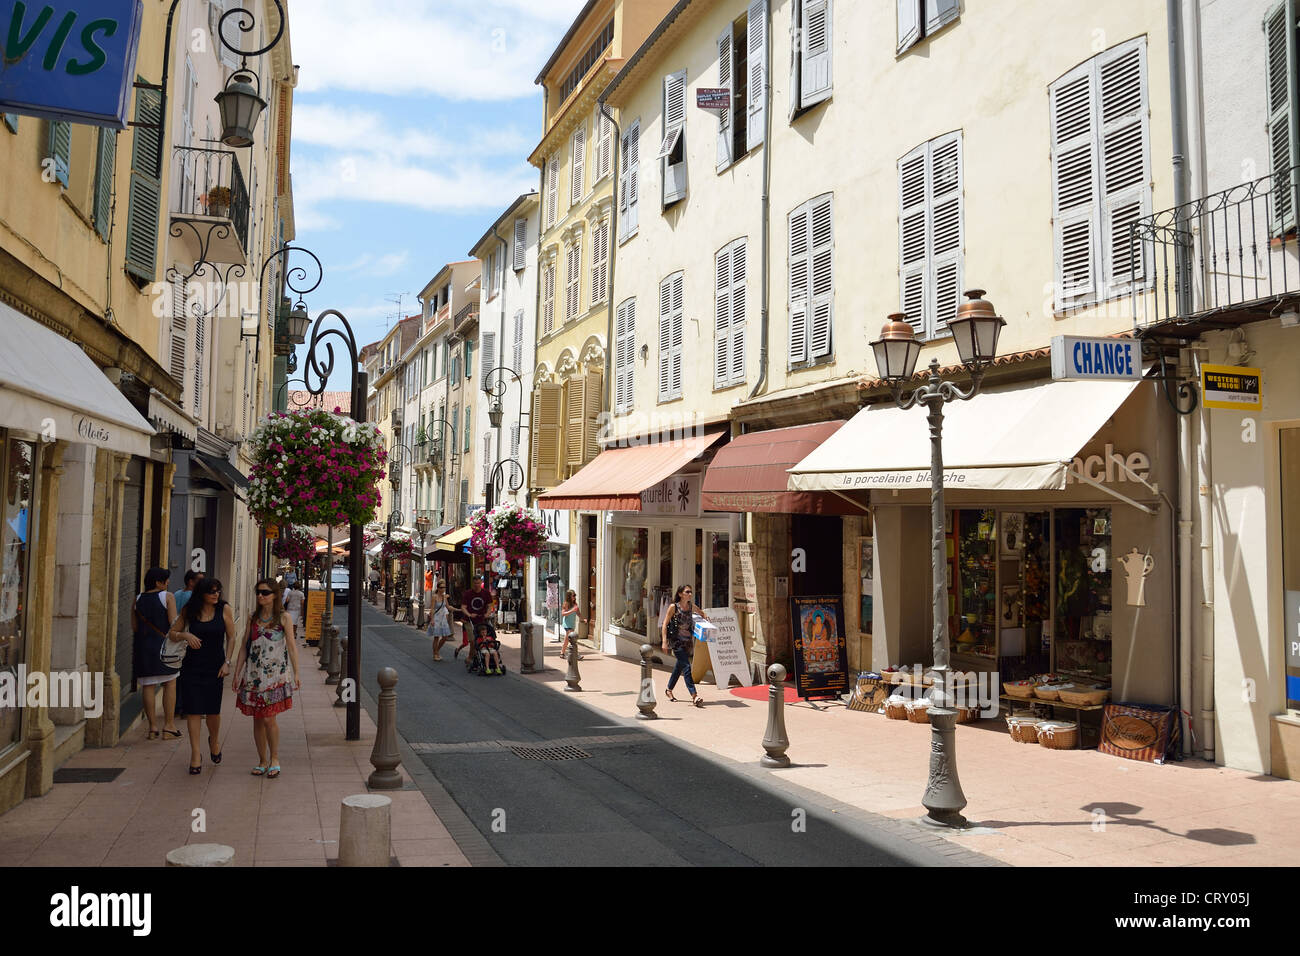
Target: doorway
{"points": [[820, 540], [590, 526]]}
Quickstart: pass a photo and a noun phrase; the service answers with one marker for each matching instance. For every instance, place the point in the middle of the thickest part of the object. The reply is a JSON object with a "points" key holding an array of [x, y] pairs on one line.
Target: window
{"points": [[930, 234], [918, 19], [599, 261], [1281, 29], [604, 145], [469, 359], [672, 153], [517, 356], [60, 151], [812, 281], [230, 30], [670, 337], [584, 397], [552, 190], [489, 361], [1101, 182], [105, 171], [548, 298], [577, 162], [469, 428], [628, 175], [144, 204], [624, 355], [810, 60], [631, 547], [730, 295], [742, 68], [493, 286], [546, 434], [589, 59], [572, 278], [520, 258]]}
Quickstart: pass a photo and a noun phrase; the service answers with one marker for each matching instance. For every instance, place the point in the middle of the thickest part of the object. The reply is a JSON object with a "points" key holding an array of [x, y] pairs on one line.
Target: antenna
{"points": [[396, 298]]}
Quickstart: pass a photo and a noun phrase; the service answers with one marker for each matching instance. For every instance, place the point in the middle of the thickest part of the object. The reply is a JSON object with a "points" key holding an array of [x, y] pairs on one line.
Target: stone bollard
{"points": [[366, 830], [342, 655], [332, 671], [200, 855], [323, 647], [527, 660], [775, 741], [572, 679], [645, 702], [384, 757]]}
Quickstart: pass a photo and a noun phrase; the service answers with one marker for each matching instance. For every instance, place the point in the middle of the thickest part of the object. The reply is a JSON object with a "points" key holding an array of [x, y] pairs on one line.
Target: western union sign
{"points": [[1232, 387]]}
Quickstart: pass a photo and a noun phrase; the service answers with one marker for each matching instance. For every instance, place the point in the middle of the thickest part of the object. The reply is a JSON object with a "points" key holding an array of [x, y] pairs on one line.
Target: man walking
{"points": [[475, 608], [192, 578]]}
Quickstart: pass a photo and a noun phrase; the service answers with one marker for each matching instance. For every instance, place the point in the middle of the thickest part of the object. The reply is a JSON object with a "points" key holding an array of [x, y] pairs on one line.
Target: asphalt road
{"points": [[636, 800]]}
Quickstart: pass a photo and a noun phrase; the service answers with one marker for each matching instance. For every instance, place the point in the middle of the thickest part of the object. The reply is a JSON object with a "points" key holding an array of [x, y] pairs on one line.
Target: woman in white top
{"points": [[293, 604]]}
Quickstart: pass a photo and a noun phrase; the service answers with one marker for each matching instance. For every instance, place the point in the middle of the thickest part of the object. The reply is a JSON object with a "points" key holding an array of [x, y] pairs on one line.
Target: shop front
{"points": [[550, 574]]}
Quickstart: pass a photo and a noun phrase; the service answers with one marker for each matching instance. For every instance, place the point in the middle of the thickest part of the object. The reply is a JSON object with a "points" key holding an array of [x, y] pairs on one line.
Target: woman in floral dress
{"points": [[264, 683]]}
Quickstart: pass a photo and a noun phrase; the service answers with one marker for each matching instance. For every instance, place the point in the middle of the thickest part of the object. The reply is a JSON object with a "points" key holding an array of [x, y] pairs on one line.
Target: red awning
{"points": [[614, 480], [749, 474]]}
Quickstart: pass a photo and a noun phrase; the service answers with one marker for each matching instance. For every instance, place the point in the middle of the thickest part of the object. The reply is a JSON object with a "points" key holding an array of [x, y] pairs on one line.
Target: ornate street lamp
{"points": [[976, 329], [241, 102]]}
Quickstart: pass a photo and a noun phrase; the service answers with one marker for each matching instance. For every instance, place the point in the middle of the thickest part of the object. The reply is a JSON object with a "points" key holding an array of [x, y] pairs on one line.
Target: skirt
{"points": [[264, 703]]}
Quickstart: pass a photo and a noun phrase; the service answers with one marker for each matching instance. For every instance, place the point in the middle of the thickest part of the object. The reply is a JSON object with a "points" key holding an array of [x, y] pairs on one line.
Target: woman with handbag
{"points": [[151, 619], [263, 682], [679, 638], [207, 624], [440, 621]]}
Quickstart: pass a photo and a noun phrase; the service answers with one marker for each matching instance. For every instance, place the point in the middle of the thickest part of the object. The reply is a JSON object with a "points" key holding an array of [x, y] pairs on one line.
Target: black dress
{"points": [[151, 612], [201, 689]]}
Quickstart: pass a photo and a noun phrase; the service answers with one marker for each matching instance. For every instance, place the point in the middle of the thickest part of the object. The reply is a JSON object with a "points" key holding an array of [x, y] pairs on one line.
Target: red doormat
{"points": [[759, 692]]}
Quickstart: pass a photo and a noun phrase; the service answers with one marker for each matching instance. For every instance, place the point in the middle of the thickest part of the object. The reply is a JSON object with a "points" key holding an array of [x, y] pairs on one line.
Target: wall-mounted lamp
{"points": [[645, 353]]}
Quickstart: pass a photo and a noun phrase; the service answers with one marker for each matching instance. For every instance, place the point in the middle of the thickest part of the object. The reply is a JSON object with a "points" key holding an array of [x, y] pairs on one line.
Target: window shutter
{"points": [[1280, 28], [593, 405], [574, 426], [232, 34], [488, 361], [469, 429], [624, 355], [796, 57], [822, 255], [938, 13], [572, 279], [1074, 185], [722, 318], [913, 213], [604, 144], [144, 204], [105, 169], [665, 337], [11, 121], [547, 421], [674, 174], [756, 123], [548, 298], [739, 292], [578, 149], [553, 191], [724, 80], [816, 54], [60, 150], [520, 260], [1124, 167], [517, 355], [628, 176], [597, 292], [200, 343], [180, 334], [909, 23], [677, 335], [946, 232], [799, 286], [487, 458], [514, 441]]}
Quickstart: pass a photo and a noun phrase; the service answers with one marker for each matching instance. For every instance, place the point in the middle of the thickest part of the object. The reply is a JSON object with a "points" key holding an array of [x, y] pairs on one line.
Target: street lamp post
{"points": [[975, 329], [422, 529]]}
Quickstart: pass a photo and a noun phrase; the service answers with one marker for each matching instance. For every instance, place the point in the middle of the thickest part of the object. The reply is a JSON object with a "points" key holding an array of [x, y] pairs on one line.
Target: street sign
{"points": [[1232, 387], [713, 98], [1080, 359], [69, 60], [272, 532]]}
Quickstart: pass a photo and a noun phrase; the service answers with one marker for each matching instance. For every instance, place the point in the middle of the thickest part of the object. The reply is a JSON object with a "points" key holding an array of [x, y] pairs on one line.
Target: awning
{"points": [[750, 473], [225, 474], [439, 531], [454, 540], [50, 387], [614, 480], [1022, 438], [167, 416]]}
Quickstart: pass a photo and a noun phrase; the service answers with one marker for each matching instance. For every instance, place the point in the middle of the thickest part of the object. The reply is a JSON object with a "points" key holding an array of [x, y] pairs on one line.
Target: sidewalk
{"points": [[1033, 807], [149, 809]]}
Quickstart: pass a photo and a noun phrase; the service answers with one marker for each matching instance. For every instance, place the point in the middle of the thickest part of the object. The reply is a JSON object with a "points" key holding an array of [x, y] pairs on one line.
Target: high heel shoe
{"points": [[216, 758], [195, 771]]}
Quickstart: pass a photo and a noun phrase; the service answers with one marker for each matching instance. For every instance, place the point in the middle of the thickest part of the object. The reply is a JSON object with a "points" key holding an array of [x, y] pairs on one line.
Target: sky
{"points": [[412, 124]]}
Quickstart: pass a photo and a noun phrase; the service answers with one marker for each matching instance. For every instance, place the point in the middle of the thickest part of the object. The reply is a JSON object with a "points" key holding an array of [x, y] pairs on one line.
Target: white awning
{"points": [[166, 415], [51, 387], [1022, 438]]}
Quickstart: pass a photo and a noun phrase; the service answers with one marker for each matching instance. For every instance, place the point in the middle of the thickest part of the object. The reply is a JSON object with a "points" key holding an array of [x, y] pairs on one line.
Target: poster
{"points": [[744, 582], [315, 608], [726, 648], [866, 571], [821, 656]]}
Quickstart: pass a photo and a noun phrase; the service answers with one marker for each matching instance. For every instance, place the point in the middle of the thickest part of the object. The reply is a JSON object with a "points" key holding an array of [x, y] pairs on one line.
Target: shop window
{"points": [[18, 460], [1083, 593], [1290, 461], [553, 580], [631, 545], [712, 569]]}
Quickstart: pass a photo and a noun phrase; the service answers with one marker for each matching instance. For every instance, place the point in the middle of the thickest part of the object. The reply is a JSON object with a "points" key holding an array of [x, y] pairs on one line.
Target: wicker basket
{"points": [[896, 708], [1085, 696], [1058, 734], [1024, 689], [966, 715], [1051, 691], [918, 711], [1024, 730]]}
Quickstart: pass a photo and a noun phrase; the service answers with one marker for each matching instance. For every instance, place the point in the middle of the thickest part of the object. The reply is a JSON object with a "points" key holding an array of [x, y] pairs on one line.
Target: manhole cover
{"points": [[88, 774], [549, 753]]}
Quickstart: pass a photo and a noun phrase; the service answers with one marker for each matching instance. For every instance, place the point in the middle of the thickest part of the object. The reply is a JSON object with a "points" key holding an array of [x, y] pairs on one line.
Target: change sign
{"points": [[69, 60]]}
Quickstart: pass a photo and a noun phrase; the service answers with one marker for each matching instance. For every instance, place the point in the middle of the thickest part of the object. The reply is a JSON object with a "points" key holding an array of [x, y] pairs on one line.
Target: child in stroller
{"points": [[484, 657]]}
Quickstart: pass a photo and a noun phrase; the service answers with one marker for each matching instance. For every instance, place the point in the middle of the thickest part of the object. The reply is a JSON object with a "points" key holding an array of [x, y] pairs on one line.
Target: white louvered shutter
{"points": [[599, 261], [553, 191], [946, 232], [674, 174], [180, 335], [678, 330], [1283, 75], [628, 178], [487, 458], [665, 338], [488, 360], [913, 216], [724, 80], [517, 355], [1125, 168], [799, 285], [604, 144], [739, 308], [200, 344], [909, 23], [230, 31], [519, 259], [624, 355], [756, 122], [548, 298], [1075, 194], [722, 318], [815, 68], [572, 279], [578, 152], [822, 257], [514, 441], [940, 12]]}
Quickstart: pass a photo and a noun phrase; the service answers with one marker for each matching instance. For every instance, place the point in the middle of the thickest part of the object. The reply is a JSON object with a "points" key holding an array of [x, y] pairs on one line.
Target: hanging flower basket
{"points": [[312, 467], [295, 544], [517, 532], [397, 549]]}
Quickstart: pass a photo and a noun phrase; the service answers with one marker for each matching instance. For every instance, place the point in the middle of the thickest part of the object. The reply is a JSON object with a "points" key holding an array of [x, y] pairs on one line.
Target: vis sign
{"points": [[1080, 358], [69, 60]]}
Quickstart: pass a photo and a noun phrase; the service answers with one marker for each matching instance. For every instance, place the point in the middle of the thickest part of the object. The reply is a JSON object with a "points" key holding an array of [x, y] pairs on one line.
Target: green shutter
{"points": [[145, 204], [1283, 112], [105, 169], [11, 120], [61, 151]]}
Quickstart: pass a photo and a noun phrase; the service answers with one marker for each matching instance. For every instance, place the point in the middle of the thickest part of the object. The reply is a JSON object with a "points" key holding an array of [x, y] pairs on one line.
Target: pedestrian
{"points": [[679, 637], [569, 618], [294, 601], [439, 621], [151, 619], [475, 604], [208, 625], [374, 582], [263, 682], [182, 597]]}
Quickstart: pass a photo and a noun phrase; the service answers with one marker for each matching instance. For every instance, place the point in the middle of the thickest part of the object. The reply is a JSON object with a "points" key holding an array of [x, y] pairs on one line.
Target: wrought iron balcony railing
{"points": [[1241, 254], [465, 316], [209, 182]]}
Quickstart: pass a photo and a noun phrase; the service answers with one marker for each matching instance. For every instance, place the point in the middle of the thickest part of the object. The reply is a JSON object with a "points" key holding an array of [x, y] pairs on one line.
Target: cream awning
{"points": [[1013, 439], [51, 387]]}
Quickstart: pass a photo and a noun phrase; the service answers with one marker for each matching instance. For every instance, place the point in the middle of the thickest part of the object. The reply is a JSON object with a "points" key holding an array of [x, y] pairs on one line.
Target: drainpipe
{"points": [[765, 257], [1203, 679], [1178, 122], [1185, 526]]}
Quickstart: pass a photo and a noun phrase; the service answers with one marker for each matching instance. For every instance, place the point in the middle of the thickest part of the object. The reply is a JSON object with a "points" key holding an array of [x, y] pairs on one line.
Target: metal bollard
{"points": [[341, 655], [527, 660], [775, 740], [645, 702], [572, 679], [332, 671], [384, 757]]}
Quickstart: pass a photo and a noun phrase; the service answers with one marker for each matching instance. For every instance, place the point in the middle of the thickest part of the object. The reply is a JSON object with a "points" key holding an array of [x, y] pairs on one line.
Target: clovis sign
{"points": [[69, 60]]}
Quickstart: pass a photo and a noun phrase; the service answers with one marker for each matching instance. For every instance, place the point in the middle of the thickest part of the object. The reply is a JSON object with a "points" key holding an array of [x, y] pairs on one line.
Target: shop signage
{"points": [[1232, 387], [272, 532], [1075, 358], [744, 583], [726, 648], [1292, 648], [69, 60], [713, 98], [557, 526], [678, 496], [316, 599], [821, 654]]}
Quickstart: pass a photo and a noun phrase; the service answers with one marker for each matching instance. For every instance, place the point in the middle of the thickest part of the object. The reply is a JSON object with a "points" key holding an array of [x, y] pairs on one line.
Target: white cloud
{"points": [[324, 124], [378, 266]]}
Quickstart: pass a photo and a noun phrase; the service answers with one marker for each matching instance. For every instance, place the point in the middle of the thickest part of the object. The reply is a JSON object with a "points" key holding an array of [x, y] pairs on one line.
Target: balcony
{"points": [[1241, 253], [210, 207], [466, 318]]}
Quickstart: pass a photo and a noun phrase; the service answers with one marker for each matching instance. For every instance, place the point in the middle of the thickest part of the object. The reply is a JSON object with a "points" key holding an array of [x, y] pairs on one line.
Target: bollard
{"points": [[323, 646], [384, 757], [775, 741], [366, 830], [572, 679], [342, 655], [527, 660], [201, 855], [645, 702], [332, 671]]}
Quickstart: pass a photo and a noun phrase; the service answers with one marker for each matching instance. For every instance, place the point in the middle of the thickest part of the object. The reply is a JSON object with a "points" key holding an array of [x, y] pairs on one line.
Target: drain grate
{"points": [[549, 753], [88, 774]]}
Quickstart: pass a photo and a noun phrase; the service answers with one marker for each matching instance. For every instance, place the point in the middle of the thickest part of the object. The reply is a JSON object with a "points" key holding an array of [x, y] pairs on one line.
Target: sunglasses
{"points": [[265, 593]]}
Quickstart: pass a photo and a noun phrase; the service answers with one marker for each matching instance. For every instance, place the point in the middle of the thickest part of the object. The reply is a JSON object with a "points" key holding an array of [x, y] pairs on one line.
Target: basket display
{"points": [[1024, 730], [966, 715], [1058, 734], [1085, 696], [918, 711], [1051, 691], [1024, 689], [896, 708]]}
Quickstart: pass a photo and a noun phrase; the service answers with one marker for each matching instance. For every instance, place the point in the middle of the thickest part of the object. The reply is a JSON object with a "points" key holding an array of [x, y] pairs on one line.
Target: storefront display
{"points": [[630, 548], [17, 469]]}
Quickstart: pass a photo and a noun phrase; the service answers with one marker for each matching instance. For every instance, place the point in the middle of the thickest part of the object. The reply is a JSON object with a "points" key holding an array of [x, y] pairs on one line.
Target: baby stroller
{"points": [[476, 659]]}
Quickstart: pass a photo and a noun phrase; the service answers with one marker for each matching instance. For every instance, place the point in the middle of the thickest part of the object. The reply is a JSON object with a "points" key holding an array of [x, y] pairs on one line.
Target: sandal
{"points": [[153, 735], [195, 771], [259, 771], [272, 772], [669, 695], [172, 733], [697, 701], [216, 758]]}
